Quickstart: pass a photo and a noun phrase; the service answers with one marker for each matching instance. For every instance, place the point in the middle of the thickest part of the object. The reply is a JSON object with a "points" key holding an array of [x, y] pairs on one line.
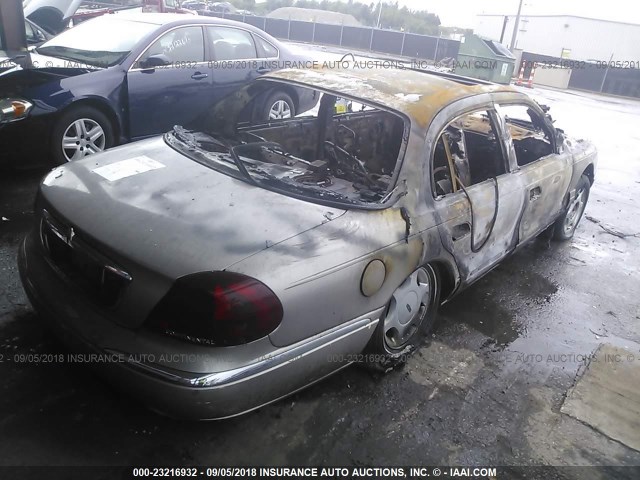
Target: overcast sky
{"points": [[462, 13]]}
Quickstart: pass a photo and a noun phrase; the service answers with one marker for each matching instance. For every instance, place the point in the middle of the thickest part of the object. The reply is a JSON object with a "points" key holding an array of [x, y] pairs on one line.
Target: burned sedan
{"points": [[225, 267]]}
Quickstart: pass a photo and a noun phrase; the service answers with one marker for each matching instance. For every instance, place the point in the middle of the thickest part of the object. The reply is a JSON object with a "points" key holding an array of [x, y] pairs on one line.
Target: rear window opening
{"points": [[468, 152], [339, 150]]}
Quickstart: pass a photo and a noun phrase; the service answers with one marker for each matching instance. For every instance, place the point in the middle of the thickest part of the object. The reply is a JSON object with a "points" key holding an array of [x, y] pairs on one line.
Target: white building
{"points": [[566, 36]]}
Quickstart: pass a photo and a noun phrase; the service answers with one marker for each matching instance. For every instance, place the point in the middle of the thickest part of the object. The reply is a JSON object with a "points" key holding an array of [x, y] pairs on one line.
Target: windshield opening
{"points": [[338, 149], [95, 43]]}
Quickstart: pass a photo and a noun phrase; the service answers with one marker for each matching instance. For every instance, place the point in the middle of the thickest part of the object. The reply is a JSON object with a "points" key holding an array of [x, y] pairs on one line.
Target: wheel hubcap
{"points": [[575, 212], [83, 137], [280, 110], [407, 309]]}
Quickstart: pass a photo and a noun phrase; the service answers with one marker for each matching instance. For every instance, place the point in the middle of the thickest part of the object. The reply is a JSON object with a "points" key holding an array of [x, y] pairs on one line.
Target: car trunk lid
{"points": [[152, 207], [154, 215]]}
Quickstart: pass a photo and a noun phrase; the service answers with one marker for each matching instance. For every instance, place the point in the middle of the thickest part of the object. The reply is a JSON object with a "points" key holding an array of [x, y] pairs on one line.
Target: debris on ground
{"points": [[611, 230]]}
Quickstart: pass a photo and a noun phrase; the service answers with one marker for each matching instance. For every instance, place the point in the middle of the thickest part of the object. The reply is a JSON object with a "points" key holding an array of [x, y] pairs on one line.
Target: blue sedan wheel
{"points": [[83, 137], [80, 132], [279, 106]]}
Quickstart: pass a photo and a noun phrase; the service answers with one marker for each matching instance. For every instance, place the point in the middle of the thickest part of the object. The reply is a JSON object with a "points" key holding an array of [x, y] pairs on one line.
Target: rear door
{"points": [[477, 200], [543, 171], [234, 58], [174, 94]]}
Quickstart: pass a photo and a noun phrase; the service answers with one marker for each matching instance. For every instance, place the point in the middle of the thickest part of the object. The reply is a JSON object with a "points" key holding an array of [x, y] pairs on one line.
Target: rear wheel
{"points": [[409, 316], [80, 132], [565, 226], [279, 106]]}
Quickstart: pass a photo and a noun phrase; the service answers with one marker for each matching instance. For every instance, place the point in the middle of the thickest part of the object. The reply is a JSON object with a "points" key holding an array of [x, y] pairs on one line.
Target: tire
{"points": [[565, 225], [67, 126], [278, 106], [402, 329]]}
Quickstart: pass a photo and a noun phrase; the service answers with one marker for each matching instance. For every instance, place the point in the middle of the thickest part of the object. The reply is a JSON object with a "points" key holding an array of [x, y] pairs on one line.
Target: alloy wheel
{"points": [[574, 213], [280, 110], [83, 137]]}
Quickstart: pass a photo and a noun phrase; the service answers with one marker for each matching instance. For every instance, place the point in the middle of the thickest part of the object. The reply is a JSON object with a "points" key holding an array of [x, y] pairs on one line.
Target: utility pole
{"points": [[379, 15], [606, 72], [504, 27], [514, 37]]}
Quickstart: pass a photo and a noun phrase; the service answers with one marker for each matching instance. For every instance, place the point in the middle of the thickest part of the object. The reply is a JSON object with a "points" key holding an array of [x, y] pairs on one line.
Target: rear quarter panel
{"points": [[584, 155], [317, 275]]}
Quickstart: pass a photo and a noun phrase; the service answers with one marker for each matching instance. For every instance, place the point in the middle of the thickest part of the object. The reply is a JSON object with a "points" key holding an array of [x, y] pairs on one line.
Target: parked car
{"points": [[222, 7], [212, 9], [166, 6], [227, 266], [51, 15], [92, 89]]}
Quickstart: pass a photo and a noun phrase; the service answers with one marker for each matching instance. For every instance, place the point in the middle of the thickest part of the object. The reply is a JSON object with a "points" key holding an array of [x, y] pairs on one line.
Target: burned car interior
{"points": [[528, 134], [341, 150], [468, 151]]}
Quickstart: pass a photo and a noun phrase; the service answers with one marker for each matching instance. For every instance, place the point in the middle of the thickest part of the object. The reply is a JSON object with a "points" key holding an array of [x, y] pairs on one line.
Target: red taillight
{"points": [[217, 308]]}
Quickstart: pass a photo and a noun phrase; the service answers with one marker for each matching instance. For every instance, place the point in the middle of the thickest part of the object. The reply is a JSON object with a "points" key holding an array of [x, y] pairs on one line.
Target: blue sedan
{"points": [[120, 78]]}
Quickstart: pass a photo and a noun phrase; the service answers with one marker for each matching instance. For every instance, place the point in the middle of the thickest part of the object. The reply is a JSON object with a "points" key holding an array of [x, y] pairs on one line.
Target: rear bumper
{"points": [[176, 392]]}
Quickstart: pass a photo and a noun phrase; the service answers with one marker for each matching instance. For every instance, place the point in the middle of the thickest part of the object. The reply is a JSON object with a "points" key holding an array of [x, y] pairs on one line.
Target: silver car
{"points": [[209, 272]]}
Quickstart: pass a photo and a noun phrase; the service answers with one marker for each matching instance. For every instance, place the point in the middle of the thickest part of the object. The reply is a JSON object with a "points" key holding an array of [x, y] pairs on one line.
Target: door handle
{"points": [[263, 70], [199, 76], [535, 193], [460, 231]]}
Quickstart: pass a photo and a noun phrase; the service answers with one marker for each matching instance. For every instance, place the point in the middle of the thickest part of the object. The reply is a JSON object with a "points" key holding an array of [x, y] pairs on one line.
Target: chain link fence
{"points": [[389, 42]]}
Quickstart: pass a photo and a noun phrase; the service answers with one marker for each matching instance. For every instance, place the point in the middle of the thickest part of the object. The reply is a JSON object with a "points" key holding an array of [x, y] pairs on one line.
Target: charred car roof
{"points": [[418, 94]]}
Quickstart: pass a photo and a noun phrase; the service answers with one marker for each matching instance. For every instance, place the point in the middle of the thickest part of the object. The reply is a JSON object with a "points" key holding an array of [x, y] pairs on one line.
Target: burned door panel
{"points": [[492, 238], [478, 201], [545, 184], [544, 173]]}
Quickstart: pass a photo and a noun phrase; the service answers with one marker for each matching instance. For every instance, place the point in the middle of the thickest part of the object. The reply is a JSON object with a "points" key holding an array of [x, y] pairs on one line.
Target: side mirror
{"points": [[37, 37], [154, 61]]}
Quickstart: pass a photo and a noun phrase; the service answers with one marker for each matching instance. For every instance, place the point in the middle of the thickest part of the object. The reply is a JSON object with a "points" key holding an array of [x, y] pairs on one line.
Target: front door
{"points": [[478, 202], [544, 173], [173, 94]]}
